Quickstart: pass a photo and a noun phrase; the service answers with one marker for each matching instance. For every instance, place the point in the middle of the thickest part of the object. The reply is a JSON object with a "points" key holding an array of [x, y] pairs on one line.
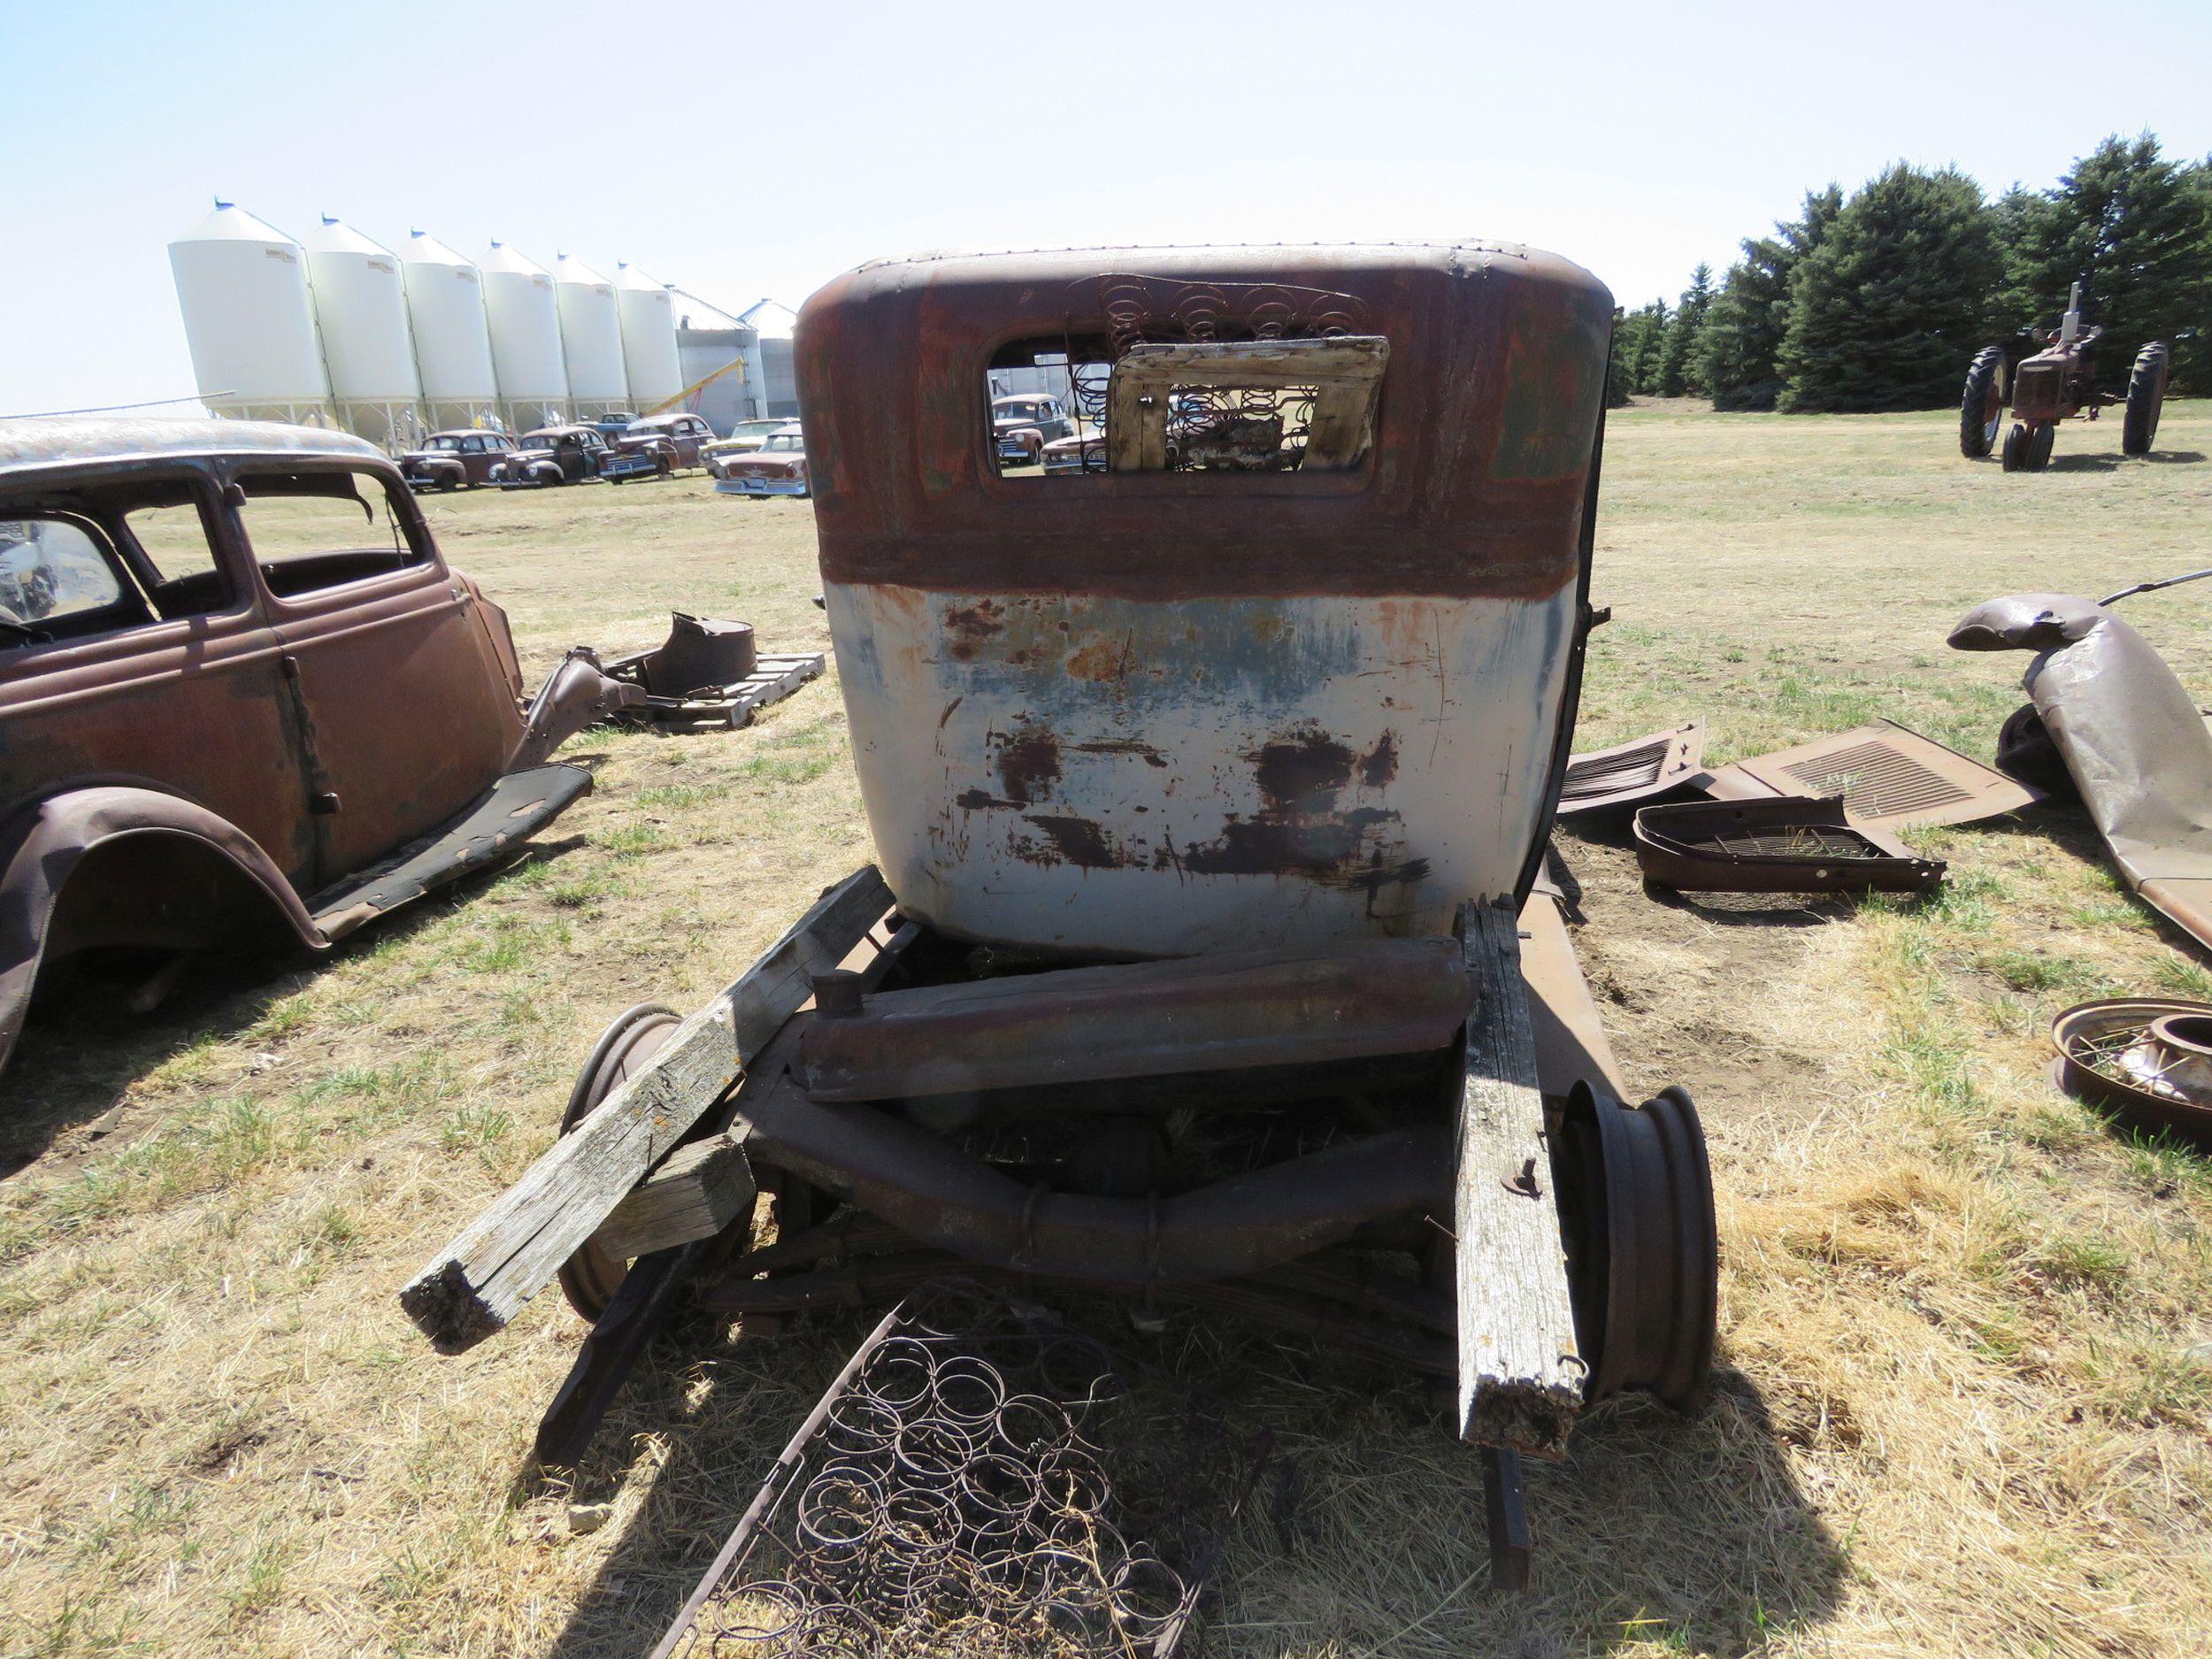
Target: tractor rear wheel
{"points": [[2146, 396], [2018, 441], [590, 1277], [1982, 406]]}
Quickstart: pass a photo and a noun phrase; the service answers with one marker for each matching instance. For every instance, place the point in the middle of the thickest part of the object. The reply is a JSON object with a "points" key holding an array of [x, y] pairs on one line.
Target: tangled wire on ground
{"points": [[951, 1501]]}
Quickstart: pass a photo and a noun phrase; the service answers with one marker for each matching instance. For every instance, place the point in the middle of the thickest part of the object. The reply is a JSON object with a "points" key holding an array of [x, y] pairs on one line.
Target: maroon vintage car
{"points": [[242, 695], [681, 434], [455, 460]]}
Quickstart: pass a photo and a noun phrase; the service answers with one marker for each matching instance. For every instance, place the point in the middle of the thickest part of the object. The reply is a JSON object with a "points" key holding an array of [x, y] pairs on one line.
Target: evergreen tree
{"points": [[1743, 330], [1887, 310], [2135, 230], [1646, 328], [1618, 378], [1679, 354]]}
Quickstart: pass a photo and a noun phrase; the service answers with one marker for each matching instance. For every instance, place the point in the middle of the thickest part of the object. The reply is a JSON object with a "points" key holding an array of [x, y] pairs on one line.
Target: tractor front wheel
{"points": [[2018, 442], [2146, 398], [2040, 446], [1982, 406]]}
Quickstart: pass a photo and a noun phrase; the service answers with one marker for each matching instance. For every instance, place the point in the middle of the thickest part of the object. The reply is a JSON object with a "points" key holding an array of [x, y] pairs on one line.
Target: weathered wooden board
{"points": [[1520, 1373], [699, 1189], [474, 1286]]}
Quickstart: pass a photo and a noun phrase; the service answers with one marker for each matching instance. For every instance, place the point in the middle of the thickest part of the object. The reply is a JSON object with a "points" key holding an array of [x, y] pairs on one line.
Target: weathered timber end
{"points": [[478, 1283], [1521, 1375], [699, 1189]]}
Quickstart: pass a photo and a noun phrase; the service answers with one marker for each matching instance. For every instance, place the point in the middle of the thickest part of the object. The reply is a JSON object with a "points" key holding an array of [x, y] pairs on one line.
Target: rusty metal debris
{"points": [[2145, 1060], [243, 695], [1888, 776], [1783, 845], [953, 1492], [710, 673], [1642, 769], [2129, 733]]}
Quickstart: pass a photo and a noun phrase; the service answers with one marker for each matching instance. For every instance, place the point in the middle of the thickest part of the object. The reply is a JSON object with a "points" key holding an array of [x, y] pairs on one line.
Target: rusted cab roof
{"points": [[1474, 485], [31, 446]]}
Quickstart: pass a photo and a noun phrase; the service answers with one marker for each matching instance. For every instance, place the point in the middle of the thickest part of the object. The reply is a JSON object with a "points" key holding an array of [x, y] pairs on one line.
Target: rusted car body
{"points": [[216, 721], [746, 435], [1023, 423], [455, 460], [779, 467], [552, 456], [1278, 694], [683, 435], [1210, 792]]}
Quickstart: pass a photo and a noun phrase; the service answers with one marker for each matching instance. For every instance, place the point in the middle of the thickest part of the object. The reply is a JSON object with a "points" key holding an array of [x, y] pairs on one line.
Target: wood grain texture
{"points": [[1520, 1373], [699, 1188], [474, 1286]]}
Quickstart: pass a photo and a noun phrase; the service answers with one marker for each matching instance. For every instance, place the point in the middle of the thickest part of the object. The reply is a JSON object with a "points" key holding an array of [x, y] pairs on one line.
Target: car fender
{"points": [[575, 695], [43, 846]]}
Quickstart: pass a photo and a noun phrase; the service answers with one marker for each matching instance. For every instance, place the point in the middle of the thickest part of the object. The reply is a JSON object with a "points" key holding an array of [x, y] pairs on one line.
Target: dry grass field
{"points": [[1955, 1414]]}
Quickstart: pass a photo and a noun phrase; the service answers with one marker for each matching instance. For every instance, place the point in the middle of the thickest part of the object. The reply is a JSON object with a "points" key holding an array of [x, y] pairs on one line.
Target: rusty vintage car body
{"points": [[1278, 694], [778, 467], [682, 435], [455, 460], [213, 724]]}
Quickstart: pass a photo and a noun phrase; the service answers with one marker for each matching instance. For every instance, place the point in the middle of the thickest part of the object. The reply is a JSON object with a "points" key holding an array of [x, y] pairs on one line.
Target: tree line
{"points": [[1878, 301]]}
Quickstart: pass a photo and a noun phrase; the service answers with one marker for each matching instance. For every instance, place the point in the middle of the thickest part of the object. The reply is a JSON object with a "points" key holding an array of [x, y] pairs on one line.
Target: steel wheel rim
{"points": [[590, 1276]]}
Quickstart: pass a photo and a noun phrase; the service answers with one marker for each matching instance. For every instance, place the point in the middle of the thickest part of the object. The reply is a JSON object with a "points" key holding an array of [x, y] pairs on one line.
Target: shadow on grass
{"points": [[82, 1048], [1366, 1532]]}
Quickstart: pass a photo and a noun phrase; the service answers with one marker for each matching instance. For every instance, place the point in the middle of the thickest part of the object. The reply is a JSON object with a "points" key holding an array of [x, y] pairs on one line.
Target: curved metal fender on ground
{"points": [[575, 695], [43, 846]]}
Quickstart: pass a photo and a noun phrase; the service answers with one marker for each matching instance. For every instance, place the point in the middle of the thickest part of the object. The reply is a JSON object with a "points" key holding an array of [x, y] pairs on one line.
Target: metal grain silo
{"points": [[649, 338], [249, 320], [361, 308], [525, 315], [591, 338], [453, 342]]}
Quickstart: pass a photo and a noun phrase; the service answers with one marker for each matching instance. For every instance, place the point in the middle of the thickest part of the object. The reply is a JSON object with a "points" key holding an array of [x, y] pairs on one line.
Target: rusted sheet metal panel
{"points": [[1142, 1020], [1887, 775], [1106, 774]]}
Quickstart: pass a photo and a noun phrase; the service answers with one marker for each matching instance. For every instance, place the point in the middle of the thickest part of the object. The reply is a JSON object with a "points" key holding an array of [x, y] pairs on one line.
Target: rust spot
{"points": [[1028, 763], [949, 707], [1124, 745], [1075, 840], [1379, 768], [1301, 771], [977, 800], [1328, 846], [970, 626], [1100, 660]]}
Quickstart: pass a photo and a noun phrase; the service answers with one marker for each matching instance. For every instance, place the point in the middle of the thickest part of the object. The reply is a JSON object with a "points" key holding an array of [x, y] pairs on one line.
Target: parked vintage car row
{"points": [[244, 696], [616, 448]]}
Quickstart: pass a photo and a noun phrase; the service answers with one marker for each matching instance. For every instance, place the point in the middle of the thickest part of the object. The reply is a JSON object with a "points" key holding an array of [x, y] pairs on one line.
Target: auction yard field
{"points": [[1956, 1411]]}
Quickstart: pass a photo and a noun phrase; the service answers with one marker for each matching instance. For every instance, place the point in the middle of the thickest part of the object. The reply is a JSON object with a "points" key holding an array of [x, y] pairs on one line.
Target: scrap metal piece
{"points": [[1775, 846], [1641, 769], [1384, 996], [1506, 1512], [2131, 735], [709, 673], [1887, 775], [2145, 1060], [576, 695]]}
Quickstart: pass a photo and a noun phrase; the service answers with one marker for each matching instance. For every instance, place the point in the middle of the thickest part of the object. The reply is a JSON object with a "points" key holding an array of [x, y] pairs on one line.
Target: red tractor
{"points": [[2050, 376]]}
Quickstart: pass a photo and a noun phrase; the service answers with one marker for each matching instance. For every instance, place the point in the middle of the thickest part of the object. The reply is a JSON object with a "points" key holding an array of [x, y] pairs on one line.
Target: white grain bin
{"points": [[361, 307], [249, 320], [591, 338], [453, 342], [649, 338], [525, 315]]}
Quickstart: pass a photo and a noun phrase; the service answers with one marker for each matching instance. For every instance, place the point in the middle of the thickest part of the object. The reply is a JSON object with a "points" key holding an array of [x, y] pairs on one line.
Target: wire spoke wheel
{"points": [[590, 1276], [1643, 1248]]}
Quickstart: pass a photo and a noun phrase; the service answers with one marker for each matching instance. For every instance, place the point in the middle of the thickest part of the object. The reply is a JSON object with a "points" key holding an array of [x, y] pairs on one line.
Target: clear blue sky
{"points": [[742, 152]]}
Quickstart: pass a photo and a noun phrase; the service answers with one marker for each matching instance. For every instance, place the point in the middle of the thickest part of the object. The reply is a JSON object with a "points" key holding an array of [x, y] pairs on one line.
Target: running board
{"points": [[516, 807]]}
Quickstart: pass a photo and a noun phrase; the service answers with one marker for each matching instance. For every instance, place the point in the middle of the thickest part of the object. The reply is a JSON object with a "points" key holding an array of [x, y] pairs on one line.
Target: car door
{"points": [[157, 664], [408, 718]]}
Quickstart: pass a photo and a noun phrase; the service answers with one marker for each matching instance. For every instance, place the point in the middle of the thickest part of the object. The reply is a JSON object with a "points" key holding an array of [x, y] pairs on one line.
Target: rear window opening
{"points": [[1063, 406]]}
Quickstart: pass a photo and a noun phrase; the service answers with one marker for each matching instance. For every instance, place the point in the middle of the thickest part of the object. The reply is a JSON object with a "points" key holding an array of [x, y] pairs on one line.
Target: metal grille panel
{"points": [[1876, 780]]}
